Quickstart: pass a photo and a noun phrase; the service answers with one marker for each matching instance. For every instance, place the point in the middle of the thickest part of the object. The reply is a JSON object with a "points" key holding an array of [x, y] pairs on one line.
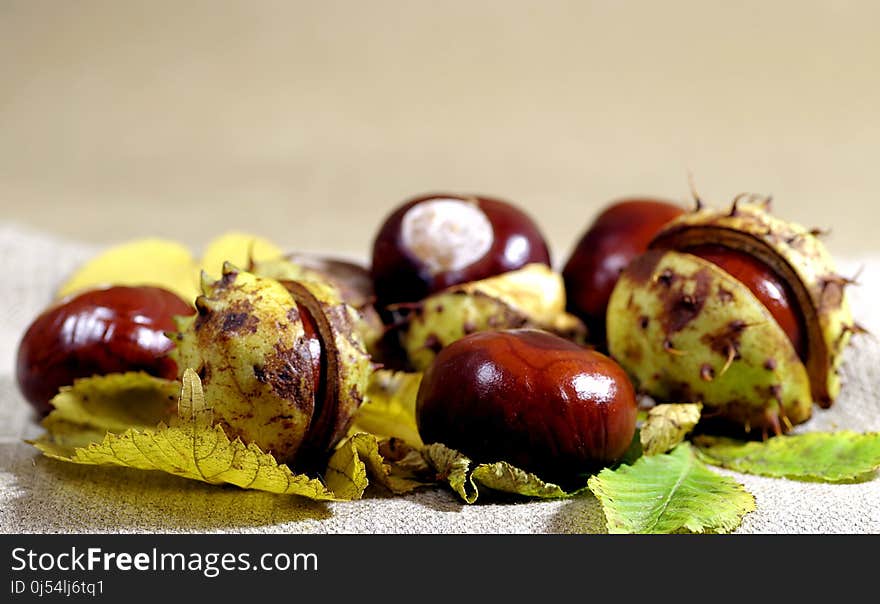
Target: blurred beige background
{"points": [[308, 121]]}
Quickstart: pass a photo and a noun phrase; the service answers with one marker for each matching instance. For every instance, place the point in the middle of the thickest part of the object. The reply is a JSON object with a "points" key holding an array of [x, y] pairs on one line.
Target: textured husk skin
{"points": [[368, 323], [800, 258], [249, 347], [533, 296], [675, 320], [259, 377]]}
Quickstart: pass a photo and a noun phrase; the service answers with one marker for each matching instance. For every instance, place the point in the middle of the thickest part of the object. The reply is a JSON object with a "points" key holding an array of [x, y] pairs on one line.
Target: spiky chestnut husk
{"points": [[685, 329], [251, 349], [352, 283], [533, 296]]}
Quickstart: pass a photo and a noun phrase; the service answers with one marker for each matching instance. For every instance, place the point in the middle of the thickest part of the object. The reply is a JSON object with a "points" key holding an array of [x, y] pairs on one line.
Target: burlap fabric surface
{"points": [[45, 496]]}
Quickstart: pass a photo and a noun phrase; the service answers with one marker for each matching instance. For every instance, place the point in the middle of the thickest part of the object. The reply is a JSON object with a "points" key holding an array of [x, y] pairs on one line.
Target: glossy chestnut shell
{"points": [[530, 398], [310, 327], [619, 233], [400, 275], [98, 332]]}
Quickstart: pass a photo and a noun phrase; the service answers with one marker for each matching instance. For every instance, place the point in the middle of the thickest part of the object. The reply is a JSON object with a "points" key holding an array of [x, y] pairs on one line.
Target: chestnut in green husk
{"points": [[533, 296], [530, 398], [282, 363], [736, 309]]}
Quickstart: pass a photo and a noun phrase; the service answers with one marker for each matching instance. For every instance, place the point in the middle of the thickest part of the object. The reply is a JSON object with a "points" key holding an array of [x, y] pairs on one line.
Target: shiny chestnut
{"points": [[530, 398], [619, 233], [95, 333], [433, 242]]}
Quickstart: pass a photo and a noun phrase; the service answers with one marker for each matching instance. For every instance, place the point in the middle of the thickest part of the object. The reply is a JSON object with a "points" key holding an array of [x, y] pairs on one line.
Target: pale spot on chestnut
{"points": [[436, 241], [446, 234]]}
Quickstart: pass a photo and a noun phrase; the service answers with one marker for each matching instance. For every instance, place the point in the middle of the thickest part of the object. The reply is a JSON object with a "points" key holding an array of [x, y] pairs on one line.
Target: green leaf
{"points": [[455, 468], [670, 493], [194, 448], [666, 425], [826, 456], [389, 408]]}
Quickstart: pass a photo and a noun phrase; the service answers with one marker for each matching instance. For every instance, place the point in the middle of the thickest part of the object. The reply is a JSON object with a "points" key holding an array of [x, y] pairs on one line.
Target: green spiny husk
{"points": [[727, 353], [368, 323], [533, 296], [798, 256], [686, 330], [249, 346]]}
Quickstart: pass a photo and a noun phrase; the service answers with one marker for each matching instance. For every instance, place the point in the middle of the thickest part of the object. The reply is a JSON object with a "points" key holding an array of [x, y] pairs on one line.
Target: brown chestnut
{"points": [[621, 232], [310, 329], [530, 398], [95, 333], [767, 286], [436, 241]]}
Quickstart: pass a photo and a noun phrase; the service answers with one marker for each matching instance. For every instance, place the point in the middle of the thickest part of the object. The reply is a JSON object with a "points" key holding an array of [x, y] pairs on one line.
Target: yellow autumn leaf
{"points": [[157, 262], [192, 447], [91, 407], [666, 425], [111, 420], [283, 269], [361, 453], [239, 249], [467, 479], [389, 408]]}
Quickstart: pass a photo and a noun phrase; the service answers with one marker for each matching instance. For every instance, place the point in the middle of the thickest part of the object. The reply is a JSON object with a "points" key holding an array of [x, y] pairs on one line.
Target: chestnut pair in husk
{"points": [[733, 308]]}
